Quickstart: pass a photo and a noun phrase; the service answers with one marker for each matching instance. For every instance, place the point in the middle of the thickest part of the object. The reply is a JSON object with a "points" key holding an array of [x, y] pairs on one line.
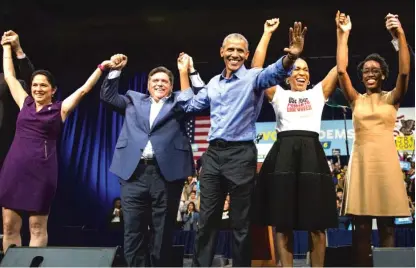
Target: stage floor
{"points": [[187, 262]]}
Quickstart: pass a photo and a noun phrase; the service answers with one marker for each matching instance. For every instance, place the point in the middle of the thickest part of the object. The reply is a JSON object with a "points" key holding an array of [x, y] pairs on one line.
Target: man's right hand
{"points": [[119, 61], [271, 25], [183, 62], [343, 22], [191, 65]]}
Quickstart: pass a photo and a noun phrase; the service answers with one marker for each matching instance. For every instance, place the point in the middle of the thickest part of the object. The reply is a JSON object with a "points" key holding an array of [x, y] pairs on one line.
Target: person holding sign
{"points": [[374, 185]]}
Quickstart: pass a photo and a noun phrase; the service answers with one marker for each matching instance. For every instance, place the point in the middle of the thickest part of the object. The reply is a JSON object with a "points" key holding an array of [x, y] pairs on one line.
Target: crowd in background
{"points": [[188, 211]]}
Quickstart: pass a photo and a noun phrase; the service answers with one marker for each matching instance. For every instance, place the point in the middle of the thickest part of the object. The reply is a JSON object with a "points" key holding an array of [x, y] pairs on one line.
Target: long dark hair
{"points": [[187, 208]]}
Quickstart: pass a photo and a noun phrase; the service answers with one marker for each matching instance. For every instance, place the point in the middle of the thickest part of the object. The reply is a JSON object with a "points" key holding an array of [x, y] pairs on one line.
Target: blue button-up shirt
{"points": [[235, 102]]}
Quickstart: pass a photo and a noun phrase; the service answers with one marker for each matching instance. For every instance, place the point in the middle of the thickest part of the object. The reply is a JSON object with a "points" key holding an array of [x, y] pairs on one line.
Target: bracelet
{"points": [[102, 68], [194, 73]]}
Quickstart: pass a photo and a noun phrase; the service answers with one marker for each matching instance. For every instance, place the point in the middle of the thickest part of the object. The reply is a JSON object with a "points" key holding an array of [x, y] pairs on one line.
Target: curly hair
{"points": [[375, 57]]}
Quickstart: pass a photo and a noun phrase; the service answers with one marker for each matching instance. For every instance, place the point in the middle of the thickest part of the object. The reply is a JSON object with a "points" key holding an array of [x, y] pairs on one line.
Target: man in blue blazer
{"points": [[152, 158]]}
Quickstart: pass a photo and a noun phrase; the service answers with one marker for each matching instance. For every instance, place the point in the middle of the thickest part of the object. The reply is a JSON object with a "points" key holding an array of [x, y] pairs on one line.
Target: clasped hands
{"points": [[116, 62]]}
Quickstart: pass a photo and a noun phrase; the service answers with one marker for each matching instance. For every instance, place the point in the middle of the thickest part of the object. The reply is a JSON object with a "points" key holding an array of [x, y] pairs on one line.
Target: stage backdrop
{"points": [[332, 134], [86, 188]]}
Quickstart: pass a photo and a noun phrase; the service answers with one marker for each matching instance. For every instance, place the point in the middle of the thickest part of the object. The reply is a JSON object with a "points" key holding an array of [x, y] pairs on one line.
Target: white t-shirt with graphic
{"points": [[298, 110]]}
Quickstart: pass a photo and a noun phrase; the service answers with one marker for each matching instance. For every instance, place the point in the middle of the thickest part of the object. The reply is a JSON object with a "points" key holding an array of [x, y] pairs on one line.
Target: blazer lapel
{"points": [[144, 113], [167, 106]]}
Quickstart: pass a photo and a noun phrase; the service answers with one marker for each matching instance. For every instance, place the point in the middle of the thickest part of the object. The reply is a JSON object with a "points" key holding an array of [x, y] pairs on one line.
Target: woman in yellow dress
{"points": [[374, 186]]}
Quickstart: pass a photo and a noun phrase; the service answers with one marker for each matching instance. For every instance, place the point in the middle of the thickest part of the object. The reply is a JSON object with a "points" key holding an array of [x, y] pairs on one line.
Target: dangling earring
{"points": [[287, 81], [309, 82]]}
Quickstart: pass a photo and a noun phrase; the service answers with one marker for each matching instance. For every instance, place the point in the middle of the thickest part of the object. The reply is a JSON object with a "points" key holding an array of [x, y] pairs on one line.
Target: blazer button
{"points": [[149, 134]]}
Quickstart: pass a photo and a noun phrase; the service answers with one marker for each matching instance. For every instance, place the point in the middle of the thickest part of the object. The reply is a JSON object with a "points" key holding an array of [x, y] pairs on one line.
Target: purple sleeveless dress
{"points": [[29, 175]]}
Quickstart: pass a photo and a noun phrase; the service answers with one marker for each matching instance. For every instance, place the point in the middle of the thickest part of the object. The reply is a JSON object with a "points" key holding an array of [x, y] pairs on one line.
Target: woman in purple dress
{"points": [[28, 179]]}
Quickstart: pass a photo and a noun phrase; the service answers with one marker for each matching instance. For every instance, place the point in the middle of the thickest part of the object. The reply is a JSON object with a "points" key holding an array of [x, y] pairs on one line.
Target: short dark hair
{"points": [[375, 57], [340, 190], [162, 69], [47, 74], [115, 200]]}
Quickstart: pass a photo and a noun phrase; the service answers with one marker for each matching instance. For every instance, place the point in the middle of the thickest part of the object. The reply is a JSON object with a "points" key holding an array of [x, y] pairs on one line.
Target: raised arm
{"points": [[277, 72], [183, 66], [25, 67], [69, 104], [109, 89], [194, 103], [329, 84], [260, 54], [344, 25], [394, 26], [187, 99], [16, 89], [26, 70]]}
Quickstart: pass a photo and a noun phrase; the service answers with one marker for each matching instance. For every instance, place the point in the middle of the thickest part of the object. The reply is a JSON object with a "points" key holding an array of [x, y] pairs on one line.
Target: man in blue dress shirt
{"points": [[229, 165]]}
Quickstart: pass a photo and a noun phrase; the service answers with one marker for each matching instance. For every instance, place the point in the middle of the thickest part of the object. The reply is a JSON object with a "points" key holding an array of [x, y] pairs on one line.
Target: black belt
{"points": [[224, 144], [144, 161]]}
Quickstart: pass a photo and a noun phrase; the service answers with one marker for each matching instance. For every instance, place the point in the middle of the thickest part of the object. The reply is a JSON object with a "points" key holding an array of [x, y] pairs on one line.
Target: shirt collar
{"points": [[239, 73], [163, 100]]}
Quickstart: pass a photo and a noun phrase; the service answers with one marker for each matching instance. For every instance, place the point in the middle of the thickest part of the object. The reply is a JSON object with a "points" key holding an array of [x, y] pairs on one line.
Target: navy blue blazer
{"points": [[168, 134]]}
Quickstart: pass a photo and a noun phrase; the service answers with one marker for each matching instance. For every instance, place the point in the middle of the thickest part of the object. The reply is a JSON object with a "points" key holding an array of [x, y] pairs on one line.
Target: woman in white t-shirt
{"points": [[295, 190], [295, 181]]}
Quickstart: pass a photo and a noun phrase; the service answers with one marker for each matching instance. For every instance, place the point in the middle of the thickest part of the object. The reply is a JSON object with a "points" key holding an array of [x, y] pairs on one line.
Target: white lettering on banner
{"points": [[339, 134], [351, 133], [333, 134]]}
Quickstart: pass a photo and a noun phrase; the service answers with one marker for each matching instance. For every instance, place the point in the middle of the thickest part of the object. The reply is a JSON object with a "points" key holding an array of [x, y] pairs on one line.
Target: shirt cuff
{"points": [[281, 70], [186, 95], [21, 57], [395, 43], [197, 81], [114, 74]]}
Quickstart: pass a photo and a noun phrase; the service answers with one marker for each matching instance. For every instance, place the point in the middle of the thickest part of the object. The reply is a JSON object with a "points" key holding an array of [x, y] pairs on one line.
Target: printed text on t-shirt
{"points": [[298, 105]]}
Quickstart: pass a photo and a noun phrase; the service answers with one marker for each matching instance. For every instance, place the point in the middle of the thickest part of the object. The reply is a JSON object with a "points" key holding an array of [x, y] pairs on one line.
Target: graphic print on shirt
{"points": [[299, 104]]}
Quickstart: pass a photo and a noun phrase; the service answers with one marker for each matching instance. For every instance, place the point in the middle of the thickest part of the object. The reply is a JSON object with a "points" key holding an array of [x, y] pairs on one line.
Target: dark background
{"points": [[70, 38]]}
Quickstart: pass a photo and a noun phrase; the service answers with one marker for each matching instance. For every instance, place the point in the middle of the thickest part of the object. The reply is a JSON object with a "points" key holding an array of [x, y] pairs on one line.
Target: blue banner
{"points": [[331, 136]]}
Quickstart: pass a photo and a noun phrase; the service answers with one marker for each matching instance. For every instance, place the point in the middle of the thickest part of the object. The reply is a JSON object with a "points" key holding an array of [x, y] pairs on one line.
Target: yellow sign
{"points": [[405, 143]]}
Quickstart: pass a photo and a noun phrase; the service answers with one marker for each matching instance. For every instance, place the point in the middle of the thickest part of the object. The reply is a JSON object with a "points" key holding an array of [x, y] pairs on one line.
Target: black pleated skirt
{"points": [[294, 189]]}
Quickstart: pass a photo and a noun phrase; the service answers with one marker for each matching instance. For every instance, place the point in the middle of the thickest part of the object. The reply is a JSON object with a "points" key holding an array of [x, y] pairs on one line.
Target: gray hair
{"points": [[235, 36]]}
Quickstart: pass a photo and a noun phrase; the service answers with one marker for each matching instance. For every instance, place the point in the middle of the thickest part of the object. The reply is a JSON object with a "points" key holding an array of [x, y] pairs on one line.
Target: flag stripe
{"points": [[203, 122], [199, 138], [201, 130], [197, 130]]}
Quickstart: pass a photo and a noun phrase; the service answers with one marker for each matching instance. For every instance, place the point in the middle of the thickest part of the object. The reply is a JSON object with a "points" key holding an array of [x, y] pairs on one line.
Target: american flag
{"points": [[197, 129]]}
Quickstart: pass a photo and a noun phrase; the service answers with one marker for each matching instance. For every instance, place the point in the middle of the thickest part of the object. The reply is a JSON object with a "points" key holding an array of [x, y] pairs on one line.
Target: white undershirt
{"points": [[154, 111], [298, 110], [155, 108], [116, 218]]}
